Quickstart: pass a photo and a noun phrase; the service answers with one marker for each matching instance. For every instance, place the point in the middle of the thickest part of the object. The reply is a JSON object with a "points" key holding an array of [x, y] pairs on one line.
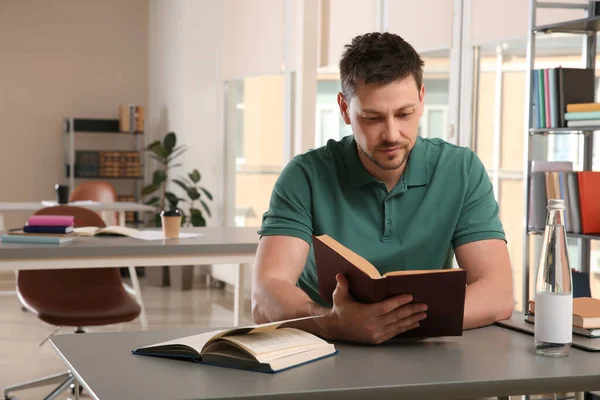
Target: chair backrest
{"points": [[71, 288], [101, 191]]}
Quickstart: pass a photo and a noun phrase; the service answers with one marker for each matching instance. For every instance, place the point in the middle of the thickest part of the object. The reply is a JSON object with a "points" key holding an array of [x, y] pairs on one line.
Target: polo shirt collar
{"points": [[416, 173]]}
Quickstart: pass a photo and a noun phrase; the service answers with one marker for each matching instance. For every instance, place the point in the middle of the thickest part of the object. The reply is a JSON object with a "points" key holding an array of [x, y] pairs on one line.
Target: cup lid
{"points": [[170, 213]]}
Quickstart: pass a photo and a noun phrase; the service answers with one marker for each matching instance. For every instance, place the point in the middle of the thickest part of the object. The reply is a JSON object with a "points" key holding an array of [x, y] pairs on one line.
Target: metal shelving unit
{"points": [[587, 28], [103, 126]]}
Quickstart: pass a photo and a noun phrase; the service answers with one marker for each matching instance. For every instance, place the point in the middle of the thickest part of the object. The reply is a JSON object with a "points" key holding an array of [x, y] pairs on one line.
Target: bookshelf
{"points": [[587, 28], [106, 164]]}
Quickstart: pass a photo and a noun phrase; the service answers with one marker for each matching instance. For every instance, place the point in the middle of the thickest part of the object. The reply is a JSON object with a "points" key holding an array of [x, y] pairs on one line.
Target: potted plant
{"points": [[166, 152]]}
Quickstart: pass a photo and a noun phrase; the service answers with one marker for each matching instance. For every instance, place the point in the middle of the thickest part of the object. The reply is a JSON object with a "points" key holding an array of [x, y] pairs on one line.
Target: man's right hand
{"points": [[371, 323]]}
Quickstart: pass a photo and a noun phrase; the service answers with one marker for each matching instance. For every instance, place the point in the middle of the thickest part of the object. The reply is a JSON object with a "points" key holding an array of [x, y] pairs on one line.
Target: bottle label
{"points": [[553, 317]]}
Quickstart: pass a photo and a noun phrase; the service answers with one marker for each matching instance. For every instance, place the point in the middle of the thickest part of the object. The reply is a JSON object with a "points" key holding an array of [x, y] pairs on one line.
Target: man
{"points": [[400, 201]]}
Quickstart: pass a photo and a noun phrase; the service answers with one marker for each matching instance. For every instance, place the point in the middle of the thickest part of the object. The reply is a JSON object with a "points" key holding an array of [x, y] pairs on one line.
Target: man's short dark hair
{"points": [[378, 58]]}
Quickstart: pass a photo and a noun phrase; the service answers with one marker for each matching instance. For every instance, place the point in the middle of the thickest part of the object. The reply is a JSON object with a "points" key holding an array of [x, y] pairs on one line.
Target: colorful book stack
{"points": [[555, 88], [43, 229], [583, 115], [579, 189]]}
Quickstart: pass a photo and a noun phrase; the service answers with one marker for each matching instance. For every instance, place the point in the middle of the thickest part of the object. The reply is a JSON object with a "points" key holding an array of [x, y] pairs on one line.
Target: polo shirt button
{"points": [[389, 222]]}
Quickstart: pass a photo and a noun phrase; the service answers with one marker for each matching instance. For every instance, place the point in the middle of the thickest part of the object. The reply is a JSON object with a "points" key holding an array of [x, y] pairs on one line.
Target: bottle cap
{"points": [[556, 203]]}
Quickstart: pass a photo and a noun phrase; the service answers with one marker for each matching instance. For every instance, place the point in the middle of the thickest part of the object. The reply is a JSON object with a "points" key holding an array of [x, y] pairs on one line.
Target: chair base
{"points": [[66, 380]]}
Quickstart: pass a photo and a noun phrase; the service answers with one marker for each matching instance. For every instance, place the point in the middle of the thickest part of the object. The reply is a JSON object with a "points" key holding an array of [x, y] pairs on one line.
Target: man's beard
{"points": [[389, 166]]}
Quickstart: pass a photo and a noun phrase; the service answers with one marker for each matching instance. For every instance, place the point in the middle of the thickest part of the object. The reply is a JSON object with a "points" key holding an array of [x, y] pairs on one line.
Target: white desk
{"points": [[216, 245], [120, 207]]}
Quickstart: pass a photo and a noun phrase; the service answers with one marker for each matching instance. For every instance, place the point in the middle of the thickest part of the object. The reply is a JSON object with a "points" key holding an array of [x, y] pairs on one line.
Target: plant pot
{"points": [[181, 277], [157, 276]]}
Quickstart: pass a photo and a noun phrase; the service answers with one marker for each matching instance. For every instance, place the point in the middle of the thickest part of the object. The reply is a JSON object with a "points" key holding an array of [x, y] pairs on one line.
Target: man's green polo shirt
{"points": [[444, 199]]}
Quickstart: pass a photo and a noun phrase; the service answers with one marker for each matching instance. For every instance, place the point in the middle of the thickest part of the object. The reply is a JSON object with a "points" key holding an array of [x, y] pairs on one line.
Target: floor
{"points": [[22, 359]]}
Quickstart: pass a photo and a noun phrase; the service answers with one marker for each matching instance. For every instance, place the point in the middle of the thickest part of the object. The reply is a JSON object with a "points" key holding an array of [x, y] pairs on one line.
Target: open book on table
{"points": [[271, 347], [442, 290], [117, 230]]}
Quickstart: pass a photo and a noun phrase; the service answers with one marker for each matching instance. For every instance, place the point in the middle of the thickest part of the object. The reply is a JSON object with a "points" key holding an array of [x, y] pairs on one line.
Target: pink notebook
{"points": [[50, 220]]}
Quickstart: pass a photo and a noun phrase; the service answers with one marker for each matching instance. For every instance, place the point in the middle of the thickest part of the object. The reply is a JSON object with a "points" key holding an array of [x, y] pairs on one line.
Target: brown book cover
{"points": [[442, 290]]}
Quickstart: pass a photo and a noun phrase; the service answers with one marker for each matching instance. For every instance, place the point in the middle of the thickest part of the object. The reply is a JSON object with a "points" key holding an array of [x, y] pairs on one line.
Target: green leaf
{"points": [[193, 193], [176, 154], [205, 207], [152, 201], [197, 217], [183, 219], [157, 220], [207, 193], [181, 184], [194, 176], [159, 177], [172, 198], [158, 149], [169, 142], [152, 144], [149, 189]]}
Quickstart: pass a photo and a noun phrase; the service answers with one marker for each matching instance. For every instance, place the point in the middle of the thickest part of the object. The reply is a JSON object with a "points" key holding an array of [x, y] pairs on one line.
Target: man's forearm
{"points": [[486, 303], [278, 300]]}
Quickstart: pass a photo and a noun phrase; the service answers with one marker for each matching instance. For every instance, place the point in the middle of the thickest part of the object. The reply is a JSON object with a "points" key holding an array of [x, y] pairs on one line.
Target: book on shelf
{"points": [[556, 88], [271, 347], [583, 107], [579, 189], [586, 316], [442, 290]]}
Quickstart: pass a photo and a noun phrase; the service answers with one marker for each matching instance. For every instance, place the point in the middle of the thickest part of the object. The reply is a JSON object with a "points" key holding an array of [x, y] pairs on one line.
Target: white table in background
{"points": [[120, 207], [215, 245]]}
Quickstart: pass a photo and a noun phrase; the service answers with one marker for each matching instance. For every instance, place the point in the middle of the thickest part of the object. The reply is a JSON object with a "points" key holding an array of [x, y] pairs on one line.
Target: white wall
{"points": [[493, 20], [186, 87], [426, 24], [59, 59], [253, 37], [345, 19]]}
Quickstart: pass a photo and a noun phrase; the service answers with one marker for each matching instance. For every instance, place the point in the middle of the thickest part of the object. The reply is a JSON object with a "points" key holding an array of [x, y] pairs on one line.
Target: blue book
{"points": [[47, 229], [30, 238]]}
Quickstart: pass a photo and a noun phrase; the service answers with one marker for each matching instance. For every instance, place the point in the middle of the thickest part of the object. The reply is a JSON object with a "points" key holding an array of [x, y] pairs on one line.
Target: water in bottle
{"points": [[553, 289]]}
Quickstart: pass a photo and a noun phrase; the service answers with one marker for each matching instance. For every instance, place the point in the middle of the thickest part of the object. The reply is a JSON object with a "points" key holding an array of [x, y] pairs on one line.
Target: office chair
{"points": [[100, 191], [73, 297]]}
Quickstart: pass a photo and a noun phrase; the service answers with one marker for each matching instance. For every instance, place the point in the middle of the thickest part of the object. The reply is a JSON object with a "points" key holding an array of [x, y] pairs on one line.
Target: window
{"points": [[254, 120]]}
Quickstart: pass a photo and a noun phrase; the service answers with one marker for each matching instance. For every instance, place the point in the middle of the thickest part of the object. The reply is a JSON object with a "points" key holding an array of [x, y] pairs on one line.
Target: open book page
{"points": [[196, 342], [262, 343]]}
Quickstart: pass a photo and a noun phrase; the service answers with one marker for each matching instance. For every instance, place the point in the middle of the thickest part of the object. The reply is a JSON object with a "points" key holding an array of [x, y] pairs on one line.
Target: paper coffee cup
{"points": [[171, 223]]}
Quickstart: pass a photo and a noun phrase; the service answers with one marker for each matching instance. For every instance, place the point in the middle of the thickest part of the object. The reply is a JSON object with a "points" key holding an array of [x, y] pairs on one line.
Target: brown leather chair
{"points": [[73, 297], [101, 191]]}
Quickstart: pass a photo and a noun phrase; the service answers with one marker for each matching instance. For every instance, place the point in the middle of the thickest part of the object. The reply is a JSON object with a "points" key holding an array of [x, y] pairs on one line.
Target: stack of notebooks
{"points": [[579, 189], [586, 316], [556, 88], [43, 229], [582, 115]]}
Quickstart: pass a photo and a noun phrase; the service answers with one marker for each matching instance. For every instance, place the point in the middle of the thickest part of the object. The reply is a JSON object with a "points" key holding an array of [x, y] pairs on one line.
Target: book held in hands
{"points": [[271, 347], [442, 290]]}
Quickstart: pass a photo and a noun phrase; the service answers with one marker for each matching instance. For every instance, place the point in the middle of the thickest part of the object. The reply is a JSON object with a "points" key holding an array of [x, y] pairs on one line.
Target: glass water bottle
{"points": [[553, 290]]}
